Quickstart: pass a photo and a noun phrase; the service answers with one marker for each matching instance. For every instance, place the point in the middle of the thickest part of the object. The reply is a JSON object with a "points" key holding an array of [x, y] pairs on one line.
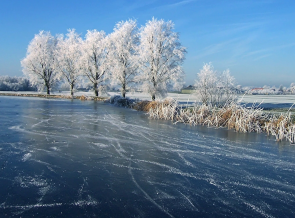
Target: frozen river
{"points": [[62, 158]]}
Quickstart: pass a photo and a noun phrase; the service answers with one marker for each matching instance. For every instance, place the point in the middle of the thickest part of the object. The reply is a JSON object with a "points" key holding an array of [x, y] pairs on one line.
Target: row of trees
{"points": [[149, 57], [267, 90], [8, 83]]}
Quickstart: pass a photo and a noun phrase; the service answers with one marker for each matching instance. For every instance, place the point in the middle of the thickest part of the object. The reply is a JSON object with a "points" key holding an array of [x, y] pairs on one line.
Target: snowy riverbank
{"points": [[266, 101]]}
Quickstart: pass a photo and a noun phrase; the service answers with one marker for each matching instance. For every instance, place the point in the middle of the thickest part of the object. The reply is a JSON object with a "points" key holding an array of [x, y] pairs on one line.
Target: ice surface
{"points": [[84, 158], [26, 156]]}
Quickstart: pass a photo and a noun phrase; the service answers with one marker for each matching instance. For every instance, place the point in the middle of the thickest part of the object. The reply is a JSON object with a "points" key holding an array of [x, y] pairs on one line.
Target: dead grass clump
{"points": [[226, 115], [281, 121], [98, 98], [149, 105], [83, 98], [142, 106], [232, 116]]}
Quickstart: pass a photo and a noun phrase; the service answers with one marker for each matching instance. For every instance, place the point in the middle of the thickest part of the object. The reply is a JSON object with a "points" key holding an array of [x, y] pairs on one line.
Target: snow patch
{"points": [[101, 145], [26, 157], [55, 148]]}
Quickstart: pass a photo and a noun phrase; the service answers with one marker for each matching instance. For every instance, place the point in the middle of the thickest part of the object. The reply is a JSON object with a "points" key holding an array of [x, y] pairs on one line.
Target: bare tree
{"points": [[38, 65]]}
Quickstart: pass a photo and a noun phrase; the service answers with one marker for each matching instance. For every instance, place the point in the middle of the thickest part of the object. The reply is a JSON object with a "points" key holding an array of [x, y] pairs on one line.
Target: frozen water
{"points": [[63, 158]]}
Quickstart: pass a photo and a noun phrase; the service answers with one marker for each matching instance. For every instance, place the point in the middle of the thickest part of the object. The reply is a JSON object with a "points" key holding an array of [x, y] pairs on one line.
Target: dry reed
{"points": [[232, 116]]}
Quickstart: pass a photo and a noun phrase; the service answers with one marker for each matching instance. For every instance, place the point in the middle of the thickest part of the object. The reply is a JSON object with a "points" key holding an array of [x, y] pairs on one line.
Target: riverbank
{"points": [[231, 116], [268, 102], [278, 122], [82, 97]]}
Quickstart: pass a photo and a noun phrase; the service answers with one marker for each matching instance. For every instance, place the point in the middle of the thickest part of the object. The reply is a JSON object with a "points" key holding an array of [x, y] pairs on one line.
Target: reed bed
{"points": [[232, 116]]}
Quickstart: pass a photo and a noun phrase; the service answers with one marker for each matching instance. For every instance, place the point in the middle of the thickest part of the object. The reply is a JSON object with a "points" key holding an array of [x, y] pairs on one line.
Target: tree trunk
{"points": [[123, 90], [95, 89], [153, 97], [47, 83], [155, 84], [72, 89]]}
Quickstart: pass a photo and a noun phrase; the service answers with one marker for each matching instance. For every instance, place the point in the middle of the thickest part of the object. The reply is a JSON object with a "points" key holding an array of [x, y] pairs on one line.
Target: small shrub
{"points": [[121, 102]]}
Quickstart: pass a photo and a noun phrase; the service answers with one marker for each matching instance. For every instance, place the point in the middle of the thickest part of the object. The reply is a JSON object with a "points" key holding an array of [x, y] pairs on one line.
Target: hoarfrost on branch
{"points": [[160, 58], [69, 58], [38, 65], [124, 42], [95, 58], [215, 89]]}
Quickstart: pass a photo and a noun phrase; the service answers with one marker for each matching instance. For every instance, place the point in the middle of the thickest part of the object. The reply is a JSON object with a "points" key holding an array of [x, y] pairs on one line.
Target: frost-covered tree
{"points": [[282, 89], [95, 57], [38, 65], [124, 42], [69, 58], [227, 87], [8, 83], [160, 57], [215, 89], [206, 83]]}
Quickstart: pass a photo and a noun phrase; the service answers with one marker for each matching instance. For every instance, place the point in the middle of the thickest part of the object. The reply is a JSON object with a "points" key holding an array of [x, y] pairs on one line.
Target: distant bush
{"points": [[15, 84], [214, 88]]}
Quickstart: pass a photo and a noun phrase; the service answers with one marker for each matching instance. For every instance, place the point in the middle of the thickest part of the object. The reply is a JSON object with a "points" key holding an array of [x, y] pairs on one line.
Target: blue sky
{"points": [[255, 39]]}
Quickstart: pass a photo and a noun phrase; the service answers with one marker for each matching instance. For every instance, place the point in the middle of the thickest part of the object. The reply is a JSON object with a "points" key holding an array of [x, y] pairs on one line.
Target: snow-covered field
{"points": [[272, 99]]}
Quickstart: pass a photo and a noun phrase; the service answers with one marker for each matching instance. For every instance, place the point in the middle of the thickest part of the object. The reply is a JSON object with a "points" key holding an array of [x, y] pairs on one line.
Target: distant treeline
{"points": [[8, 83]]}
